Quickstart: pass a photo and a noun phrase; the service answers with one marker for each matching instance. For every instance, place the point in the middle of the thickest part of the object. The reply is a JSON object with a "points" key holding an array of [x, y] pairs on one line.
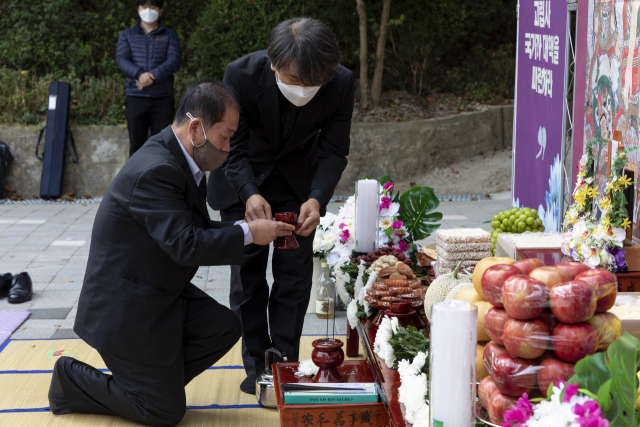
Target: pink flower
{"points": [[403, 246], [344, 236], [570, 390], [589, 415], [342, 225], [397, 225], [388, 186], [520, 414], [385, 203]]}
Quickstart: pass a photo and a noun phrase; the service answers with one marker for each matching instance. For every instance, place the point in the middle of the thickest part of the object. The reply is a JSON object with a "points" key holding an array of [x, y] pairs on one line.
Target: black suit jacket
{"points": [[315, 154], [150, 235]]}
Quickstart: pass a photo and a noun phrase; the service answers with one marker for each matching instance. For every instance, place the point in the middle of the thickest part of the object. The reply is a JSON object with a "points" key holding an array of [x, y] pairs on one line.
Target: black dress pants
{"points": [[152, 395], [276, 319], [144, 113]]}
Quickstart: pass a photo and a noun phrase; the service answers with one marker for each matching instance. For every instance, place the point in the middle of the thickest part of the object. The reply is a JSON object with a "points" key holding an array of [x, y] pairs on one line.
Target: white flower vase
{"points": [[315, 280]]}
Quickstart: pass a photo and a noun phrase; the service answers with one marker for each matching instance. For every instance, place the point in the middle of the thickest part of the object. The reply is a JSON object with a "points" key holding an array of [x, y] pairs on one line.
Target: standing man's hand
{"points": [[265, 231], [309, 217], [257, 208], [145, 79]]}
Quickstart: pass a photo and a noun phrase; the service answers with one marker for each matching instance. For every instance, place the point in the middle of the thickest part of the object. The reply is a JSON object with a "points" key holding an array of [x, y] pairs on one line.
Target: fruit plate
{"points": [[483, 415]]}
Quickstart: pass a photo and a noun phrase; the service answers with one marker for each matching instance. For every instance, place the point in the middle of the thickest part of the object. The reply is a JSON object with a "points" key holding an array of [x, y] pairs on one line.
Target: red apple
{"points": [[493, 281], [547, 354], [573, 342], [490, 353], [498, 405], [608, 329], [553, 370], [524, 297], [606, 287], [486, 389], [528, 339], [550, 276], [513, 375], [573, 302], [494, 321], [549, 318], [526, 266], [573, 268]]}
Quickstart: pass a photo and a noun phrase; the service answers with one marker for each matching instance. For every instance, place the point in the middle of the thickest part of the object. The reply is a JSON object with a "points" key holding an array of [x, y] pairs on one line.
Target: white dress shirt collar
{"points": [[195, 170]]}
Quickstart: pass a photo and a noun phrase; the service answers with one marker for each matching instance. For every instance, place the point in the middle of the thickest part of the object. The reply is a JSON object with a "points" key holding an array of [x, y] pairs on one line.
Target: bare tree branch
{"points": [[364, 69], [376, 86]]}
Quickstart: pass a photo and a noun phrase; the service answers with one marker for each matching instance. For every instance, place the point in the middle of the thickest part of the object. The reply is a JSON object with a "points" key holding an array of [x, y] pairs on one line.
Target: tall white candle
{"points": [[453, 364], [366, 215]]}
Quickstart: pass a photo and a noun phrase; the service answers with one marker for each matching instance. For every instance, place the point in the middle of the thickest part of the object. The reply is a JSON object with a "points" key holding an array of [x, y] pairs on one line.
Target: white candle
{"points": [[366, 215], [452, 368]]}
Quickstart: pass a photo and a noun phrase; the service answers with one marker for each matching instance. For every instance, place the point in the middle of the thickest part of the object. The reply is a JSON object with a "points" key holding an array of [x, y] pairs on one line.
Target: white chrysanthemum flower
{"points": [[307, 368], [389, 356], [327, 220], [394, 324], [422, 416], [352, 314]]}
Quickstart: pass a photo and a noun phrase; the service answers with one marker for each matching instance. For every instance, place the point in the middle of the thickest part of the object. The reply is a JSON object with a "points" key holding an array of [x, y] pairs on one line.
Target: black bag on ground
{"points": [[5, 159], [57, 130]]}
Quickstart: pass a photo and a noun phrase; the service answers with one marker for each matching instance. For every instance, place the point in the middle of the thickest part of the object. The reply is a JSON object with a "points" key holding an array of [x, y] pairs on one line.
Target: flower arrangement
{"points": [[403, 219], [594, 240], [406, 349], [565, 407]]}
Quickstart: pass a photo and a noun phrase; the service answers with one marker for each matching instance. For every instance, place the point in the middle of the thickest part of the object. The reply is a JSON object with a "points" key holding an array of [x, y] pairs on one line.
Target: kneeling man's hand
{"points": [[309, 217], [265, 231]]}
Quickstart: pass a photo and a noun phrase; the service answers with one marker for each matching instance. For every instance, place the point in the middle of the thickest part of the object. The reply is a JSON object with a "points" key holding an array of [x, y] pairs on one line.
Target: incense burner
{"points": [[327, 355]]}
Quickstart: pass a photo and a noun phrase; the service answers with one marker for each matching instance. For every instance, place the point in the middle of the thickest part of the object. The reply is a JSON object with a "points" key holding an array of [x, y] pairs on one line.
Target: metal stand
{"points": [[567, 123]]}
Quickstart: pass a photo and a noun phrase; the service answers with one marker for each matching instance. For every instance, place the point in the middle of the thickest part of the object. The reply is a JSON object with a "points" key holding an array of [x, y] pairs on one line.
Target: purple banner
{"points": [[539, 101]]}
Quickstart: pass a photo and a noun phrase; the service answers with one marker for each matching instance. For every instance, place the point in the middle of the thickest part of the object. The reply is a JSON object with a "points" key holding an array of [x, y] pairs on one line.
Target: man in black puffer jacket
{"points": [[148, 54]]}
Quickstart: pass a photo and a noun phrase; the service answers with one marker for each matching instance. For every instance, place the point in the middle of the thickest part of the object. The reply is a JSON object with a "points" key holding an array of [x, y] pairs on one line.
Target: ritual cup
{"points": [[286, 242], [327, 354]]}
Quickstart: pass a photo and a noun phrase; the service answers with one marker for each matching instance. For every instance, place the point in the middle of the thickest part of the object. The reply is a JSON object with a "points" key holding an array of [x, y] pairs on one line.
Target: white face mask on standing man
{"points": [[297, 95], [149, 16]]}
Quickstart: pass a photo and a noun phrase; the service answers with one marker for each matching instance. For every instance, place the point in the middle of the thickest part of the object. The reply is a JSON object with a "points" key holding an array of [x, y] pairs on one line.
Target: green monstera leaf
{"points": [[415, 207]]}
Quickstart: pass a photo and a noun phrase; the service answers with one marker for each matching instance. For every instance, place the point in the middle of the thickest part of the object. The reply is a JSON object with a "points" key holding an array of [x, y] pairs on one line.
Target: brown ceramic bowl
{"points": [[401, 306]]}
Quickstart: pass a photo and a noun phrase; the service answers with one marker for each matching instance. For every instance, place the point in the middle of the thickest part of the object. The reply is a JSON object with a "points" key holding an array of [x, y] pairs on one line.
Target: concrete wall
{"points": [[400, 149]]}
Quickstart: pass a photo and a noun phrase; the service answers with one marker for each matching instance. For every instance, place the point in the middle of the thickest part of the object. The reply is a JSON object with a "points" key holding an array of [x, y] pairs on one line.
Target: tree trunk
{"points": [[364, 69], [376, 86]]}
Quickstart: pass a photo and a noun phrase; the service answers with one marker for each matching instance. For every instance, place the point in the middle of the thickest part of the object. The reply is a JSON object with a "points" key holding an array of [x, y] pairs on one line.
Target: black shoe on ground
{"points": [[249, 384], [57, 404], [5, 282], [21, 288]]}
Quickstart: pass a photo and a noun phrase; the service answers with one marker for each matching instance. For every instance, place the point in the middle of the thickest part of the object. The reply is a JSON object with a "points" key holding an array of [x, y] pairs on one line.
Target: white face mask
{"points": [[297, 95], [149, 16]]}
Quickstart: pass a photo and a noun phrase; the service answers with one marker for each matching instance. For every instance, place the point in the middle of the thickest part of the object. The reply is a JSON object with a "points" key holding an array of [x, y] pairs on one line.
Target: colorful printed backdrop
{"points": [[612, 85]]}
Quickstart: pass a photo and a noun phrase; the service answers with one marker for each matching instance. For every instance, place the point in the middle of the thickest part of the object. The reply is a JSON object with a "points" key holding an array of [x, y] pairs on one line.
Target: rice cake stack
{"points": [[457, 244]]}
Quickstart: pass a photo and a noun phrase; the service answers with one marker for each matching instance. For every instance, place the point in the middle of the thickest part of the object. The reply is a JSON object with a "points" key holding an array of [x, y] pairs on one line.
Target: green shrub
{"points": [[466, 47]]}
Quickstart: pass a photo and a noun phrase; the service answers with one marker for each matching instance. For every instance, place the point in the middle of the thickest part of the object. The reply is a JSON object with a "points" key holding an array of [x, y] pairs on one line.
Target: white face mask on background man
{"points": [[297, 95], [149, 16]]}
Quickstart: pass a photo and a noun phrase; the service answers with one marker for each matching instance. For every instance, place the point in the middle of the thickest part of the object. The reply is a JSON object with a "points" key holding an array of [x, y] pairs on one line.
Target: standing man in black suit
{"points": [[287, 155], [154, 329]]}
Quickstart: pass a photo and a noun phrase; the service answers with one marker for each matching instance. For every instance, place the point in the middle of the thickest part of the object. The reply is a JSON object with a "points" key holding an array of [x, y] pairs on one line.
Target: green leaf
{"points": [[591, 372], [622, 389], [385, 179], [388, 231], [415, 206]]}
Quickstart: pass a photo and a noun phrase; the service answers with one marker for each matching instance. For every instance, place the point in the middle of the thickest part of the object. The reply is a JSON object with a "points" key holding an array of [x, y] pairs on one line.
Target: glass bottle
{"points": [[325, 302]]}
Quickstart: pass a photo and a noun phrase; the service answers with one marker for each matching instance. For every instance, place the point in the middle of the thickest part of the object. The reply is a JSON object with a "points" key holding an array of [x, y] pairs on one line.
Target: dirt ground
{"points": [[482, 174], [402, 106]]}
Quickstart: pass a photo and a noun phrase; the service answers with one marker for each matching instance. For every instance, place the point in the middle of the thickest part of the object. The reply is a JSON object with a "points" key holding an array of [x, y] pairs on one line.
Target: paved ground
{"points": [[51, 243]]}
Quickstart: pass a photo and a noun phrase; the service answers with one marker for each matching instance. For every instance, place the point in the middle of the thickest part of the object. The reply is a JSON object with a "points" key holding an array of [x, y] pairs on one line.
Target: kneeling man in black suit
{"points": [[154, 329]]}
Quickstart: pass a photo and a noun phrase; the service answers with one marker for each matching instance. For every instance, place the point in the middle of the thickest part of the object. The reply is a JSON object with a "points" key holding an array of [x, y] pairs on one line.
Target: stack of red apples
{"points": [[543, 320]]}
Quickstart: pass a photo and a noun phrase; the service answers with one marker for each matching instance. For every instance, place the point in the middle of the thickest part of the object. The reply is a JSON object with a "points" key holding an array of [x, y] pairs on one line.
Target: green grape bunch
{"points": [[514, 221]]}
